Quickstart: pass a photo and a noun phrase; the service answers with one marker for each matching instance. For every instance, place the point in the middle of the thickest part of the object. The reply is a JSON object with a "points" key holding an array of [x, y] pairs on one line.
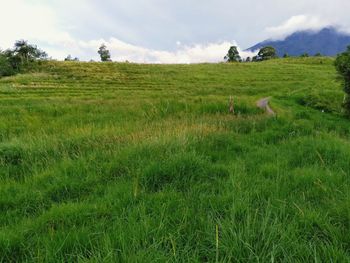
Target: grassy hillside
{"points": [[143, 163]]}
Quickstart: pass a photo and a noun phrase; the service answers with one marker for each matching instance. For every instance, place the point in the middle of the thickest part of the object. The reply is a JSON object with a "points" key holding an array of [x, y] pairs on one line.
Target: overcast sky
{"points": [[161, 31]]}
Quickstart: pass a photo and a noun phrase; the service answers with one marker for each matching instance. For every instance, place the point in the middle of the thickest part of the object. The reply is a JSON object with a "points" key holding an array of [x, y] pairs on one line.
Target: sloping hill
{"points": [[328, 42], [115, 162]]}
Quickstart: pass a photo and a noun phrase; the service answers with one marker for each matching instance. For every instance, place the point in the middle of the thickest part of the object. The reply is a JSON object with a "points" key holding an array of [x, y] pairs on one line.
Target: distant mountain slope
{"points": [[328, 42]]}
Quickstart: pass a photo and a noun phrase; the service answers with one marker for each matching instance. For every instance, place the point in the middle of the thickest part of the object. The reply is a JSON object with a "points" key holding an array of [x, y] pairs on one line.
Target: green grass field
{"points": [[122, 162]]}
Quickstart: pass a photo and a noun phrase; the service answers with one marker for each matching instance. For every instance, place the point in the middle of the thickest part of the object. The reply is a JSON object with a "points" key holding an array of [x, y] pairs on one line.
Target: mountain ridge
{"points": [[328, 41]]}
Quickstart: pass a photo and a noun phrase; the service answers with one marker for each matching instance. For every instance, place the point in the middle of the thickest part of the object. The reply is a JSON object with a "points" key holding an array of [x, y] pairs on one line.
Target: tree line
{"points": [[264, 53], [24, 56]]}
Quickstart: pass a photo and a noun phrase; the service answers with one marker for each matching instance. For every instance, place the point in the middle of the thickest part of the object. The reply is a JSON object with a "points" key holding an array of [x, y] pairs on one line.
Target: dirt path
{"points": [[264, 104]]}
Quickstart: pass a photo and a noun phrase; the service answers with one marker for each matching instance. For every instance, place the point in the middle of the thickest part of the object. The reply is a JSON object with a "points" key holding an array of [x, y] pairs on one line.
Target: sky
{"points": [[161, 31]]}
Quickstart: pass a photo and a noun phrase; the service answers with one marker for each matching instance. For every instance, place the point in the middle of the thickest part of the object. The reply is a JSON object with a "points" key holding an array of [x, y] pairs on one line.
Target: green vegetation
{"points": [[6, 69], [342, 64], [266, 53], [20, 58], [233, 55], [70, 58], [104, 53], [119, 162]]}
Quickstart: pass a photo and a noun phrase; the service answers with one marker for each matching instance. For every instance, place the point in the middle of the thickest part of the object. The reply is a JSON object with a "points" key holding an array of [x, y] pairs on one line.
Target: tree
{"points": [[15, 61], [104, 53], [28, 53], [6, 68], [342, 64], [318, 55], [267, 53], [70, 58], [304, 55], [248, 59], [285, 55], [22, 55], [233, 55]]}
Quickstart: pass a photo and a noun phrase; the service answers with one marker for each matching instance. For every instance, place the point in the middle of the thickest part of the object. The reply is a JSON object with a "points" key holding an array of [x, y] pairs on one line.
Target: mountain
{"points": [[328, 41]]}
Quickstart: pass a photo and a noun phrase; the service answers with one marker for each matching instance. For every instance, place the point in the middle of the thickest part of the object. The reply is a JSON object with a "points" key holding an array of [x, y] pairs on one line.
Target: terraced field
{"points": [[118, 162]]}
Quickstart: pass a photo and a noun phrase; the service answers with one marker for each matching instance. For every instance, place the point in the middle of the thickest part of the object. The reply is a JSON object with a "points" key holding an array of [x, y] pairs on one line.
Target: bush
{"points": [[6, 68], [320, 101], [342, 64], [22, 56]]}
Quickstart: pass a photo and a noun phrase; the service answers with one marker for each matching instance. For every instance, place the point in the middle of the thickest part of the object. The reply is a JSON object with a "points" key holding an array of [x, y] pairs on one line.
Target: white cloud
{"points": [[297, 23], [28, 21], [164, 23], [122, 51], [211, 52], [40, 25]]}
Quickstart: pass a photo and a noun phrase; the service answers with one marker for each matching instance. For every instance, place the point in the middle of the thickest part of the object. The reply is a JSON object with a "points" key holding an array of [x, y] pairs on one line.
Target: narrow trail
{"points": [[264, 104]]}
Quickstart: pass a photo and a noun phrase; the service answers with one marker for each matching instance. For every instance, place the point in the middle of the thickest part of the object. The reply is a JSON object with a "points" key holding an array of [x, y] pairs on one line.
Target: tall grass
{"points": [[144, 163]]}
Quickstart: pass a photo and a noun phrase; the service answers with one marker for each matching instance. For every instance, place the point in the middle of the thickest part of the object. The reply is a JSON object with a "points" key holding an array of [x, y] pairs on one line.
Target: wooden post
{"points": [[231, 106]]}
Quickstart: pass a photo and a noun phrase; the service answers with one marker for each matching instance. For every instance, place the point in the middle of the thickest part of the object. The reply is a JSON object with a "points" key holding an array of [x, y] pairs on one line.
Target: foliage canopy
{"points": [[267, 53], [104, 53], [233, 55], [342, 64], [22, 55]]}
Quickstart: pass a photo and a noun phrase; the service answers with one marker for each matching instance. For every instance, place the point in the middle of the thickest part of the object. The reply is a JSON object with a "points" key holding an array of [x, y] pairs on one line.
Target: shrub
{"points": [[21, 56], [342, 64], [5, 67]]}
